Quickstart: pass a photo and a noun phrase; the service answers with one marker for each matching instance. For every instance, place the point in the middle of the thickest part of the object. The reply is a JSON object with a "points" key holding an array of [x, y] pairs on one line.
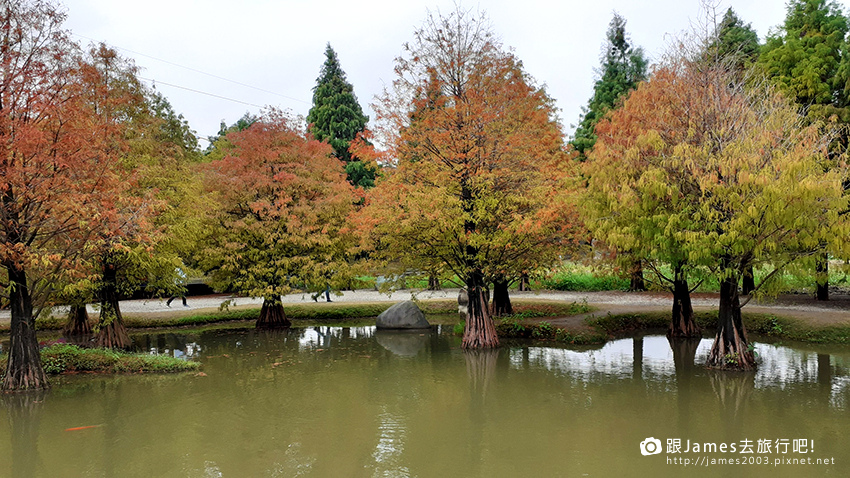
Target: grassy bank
{"points": [[66, 358], [514, 329], [607, 327], [768, 325], [576, 276], [348, 313]]}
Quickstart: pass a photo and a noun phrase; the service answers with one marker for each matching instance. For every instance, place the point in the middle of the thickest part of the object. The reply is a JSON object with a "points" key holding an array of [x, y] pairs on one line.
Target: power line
{"points": [[154, 82], [201, 72]]}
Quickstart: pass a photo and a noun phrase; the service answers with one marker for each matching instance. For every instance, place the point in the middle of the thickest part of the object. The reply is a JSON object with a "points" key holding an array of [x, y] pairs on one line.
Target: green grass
{"points": [[515, 329], [572, 276], [576, 277], [323, 313], [66, 358], [514, 326], [768, 325]]}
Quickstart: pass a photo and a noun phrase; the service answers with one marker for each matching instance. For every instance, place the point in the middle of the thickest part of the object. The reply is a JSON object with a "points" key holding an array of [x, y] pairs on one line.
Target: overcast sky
{"points": [[278, 45]]}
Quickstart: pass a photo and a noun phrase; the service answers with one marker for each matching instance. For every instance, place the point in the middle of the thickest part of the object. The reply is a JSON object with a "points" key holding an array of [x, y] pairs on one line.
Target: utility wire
{"points": [[154, 82], [201, 72]]}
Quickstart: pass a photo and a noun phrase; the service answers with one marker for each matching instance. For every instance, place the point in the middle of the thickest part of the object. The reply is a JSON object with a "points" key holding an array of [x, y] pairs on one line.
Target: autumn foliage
{"points": [[475, 183], [704, 168], [282, 199], [62, 177]]}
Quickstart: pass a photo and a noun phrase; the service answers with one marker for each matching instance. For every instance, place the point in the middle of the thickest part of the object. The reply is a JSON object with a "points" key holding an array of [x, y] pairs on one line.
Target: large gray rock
{"points": [[404, 315]]}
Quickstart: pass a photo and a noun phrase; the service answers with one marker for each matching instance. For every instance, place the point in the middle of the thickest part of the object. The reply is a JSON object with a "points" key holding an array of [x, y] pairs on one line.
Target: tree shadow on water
{"points": [[684, 355], [481, 365], [733, 391], [24, 412]]}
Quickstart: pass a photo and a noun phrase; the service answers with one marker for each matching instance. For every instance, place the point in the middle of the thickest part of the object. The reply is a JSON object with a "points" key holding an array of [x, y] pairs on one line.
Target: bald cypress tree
{"points": [[623, 67], [336, 117]]}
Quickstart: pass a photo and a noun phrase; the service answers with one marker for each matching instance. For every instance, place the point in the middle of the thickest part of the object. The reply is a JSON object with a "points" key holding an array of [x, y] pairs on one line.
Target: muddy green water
{"points": [[334, 402]]}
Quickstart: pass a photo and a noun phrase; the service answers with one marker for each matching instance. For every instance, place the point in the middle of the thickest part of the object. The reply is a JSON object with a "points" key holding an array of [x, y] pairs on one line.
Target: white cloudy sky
{"points": [[278, 45]]}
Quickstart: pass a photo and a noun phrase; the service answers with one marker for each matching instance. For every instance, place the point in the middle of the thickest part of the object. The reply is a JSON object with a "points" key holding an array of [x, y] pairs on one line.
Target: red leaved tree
{"points": [[59, 169], [282, 204]]}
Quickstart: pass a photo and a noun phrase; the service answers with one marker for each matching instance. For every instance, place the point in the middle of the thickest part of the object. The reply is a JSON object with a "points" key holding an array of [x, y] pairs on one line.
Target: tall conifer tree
{"points": [[623, 67], [336, 117], [808, 57], [736, 38]]}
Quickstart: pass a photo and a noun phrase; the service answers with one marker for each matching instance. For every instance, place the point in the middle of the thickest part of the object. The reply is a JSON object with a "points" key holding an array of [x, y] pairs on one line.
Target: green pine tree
{"points": [[623, 67], [736, 39], [808, 58], [807, 53], [336, 117]]}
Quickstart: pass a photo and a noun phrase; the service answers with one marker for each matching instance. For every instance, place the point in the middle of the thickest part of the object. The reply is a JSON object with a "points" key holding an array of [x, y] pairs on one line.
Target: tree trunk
{"points": [[111, 332], [524, 283], [748, 285], [480, 331], [730, 350], [23, 370], [272, 315], [636, 282], [682, 323], [434, 283], [822, 276], [78, 322], [501, 298]]}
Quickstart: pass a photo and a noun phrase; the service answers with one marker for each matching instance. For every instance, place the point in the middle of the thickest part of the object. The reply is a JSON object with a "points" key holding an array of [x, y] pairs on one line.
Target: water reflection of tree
{"points": [[481, 365], [24, 412], [825, 377], [733, 391], [637, 360], [684, 354]]}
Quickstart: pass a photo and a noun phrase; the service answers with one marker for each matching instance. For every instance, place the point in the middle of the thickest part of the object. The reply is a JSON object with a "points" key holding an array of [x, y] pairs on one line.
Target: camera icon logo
{"points": [[650, 446]]}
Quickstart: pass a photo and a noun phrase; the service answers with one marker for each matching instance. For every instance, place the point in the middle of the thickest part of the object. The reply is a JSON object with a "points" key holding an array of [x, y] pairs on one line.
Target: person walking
{"points": [[327, 292], [180, 282]]}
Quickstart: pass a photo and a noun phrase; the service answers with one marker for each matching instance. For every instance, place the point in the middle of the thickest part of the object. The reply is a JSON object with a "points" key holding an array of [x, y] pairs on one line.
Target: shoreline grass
{"points": [[444, 312], [758, 324], [68, 358], [320, 313]]}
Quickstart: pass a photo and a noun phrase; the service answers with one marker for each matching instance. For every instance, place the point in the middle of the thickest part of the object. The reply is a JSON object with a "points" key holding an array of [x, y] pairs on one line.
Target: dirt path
{"points": [[833, 312], [817, 314]]}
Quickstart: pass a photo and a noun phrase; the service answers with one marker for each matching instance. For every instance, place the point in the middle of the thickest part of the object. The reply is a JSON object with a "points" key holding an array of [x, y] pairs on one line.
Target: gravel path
{"points": [[836, 311]]}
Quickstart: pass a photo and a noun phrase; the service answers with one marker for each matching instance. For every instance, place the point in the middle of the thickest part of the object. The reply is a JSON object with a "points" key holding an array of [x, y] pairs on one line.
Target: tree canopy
{"points": [[281, 205], [735, 39], [807, 55], [697, 169], [62, 125]]}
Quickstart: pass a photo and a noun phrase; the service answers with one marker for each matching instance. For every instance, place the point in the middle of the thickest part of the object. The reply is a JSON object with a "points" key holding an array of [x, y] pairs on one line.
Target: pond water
{"points": [[356, 402]]}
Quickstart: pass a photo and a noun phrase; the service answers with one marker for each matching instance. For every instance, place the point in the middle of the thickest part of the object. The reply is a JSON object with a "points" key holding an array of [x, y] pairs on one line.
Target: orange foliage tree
{"points": [[282, 203], [127, 236], [700, 168], [60, 170], [475, 181]]}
